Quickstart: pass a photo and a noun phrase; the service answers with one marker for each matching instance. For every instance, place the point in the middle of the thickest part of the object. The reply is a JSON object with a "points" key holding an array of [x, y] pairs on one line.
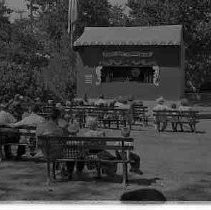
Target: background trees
{"points": [[195, 16], [38, 49]]}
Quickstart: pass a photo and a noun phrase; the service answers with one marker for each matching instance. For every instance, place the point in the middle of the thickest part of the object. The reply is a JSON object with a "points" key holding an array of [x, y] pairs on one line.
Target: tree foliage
{"points": [[195, 16], [50, 25]]}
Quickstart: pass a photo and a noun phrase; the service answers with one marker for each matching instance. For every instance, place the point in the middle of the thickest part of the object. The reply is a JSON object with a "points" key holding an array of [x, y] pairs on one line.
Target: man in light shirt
{"points": [[33, 119]]}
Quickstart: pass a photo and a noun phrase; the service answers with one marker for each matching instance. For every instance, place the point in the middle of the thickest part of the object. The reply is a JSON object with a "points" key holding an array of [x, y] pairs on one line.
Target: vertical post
{"points": [[54, 170], [1, 155], [124, 165], [31, 14], [48, 163], [48, 173]]}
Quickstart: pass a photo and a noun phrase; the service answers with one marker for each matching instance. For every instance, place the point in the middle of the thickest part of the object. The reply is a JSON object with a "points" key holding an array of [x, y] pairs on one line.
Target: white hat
{"points": [[160, 100]]}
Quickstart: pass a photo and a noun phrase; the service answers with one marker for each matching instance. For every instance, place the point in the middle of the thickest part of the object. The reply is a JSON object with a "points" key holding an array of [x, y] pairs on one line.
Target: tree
{"points": [[50, 25], [93, 13], [195, 18], [5, 29], [117, 16]]}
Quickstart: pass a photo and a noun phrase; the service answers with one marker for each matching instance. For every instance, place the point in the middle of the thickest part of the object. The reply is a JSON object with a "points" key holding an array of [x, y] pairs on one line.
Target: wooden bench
{"points": [[26, 131], [47, 109], [116, 116], [140, 113], [59, 149], [176, 117]]}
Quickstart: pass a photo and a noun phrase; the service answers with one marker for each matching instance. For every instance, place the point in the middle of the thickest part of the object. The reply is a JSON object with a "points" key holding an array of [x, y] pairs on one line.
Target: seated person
{"points": [[16, 107], [134, 158], [86, 100], [174, 119], [184, 106], [161, 121], [6, 119], [122, 103], [108, 168], [73, 129], [33, 119], [101, 101], [50, 128]]}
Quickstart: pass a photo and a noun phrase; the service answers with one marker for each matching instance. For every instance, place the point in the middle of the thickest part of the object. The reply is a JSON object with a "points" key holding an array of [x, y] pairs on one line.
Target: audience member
{"points": [[73, 129], [50, 128], [174, 119], [15, 106], [12, 137], [185, 106], [134, 158], [101, 101], [162, 121], [108, 168], [33, 119]]}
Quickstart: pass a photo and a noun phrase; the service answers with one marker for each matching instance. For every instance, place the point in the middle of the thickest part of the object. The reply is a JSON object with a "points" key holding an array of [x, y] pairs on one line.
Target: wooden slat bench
{"points": [[26, 131], [116, 116], [177, 117], [59, 149], [140, 113]]}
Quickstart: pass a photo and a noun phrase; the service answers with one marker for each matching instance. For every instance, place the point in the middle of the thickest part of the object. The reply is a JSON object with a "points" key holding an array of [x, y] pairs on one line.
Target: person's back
{"points": [[16, 108], [6, 118], [11, 137], [160, 107], [161, 120], [50, 128], [184, 106], [32, 119], [108, 168]]}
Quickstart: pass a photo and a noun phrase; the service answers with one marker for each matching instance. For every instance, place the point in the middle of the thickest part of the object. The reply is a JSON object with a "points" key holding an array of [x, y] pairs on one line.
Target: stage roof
{"points": [[150, 35]]}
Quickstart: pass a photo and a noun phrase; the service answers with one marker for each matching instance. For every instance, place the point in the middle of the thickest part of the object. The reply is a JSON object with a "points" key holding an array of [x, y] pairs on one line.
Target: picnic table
{"points": [[104, 115]]}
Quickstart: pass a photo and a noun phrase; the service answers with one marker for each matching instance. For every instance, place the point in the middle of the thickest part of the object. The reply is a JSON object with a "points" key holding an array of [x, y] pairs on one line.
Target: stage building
{"points": [[146, 62]]}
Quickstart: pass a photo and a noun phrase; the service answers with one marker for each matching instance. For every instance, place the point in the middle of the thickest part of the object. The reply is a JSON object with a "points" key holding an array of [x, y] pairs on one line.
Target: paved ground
{"points": [[176, 164]]}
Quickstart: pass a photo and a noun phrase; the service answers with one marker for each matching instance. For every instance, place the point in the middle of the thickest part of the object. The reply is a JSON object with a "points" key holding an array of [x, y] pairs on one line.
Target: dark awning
{"points": [[152, 35]]}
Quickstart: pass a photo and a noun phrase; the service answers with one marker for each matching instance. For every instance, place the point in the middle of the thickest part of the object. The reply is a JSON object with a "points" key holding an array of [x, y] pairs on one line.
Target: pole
{"points": [[31, 13]]}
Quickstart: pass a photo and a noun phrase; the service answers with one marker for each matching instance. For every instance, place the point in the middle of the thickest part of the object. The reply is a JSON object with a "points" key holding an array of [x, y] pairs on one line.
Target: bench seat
{"points": [[63, 146]]}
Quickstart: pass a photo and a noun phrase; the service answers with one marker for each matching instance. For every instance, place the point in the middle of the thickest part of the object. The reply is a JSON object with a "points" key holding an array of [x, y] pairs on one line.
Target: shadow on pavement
{"points": [[108, 179], [143, 195]]}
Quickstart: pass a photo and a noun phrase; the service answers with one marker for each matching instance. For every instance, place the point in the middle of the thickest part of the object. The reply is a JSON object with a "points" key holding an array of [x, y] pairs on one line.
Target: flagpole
{"points": [[71, 36], [71, 19]]}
